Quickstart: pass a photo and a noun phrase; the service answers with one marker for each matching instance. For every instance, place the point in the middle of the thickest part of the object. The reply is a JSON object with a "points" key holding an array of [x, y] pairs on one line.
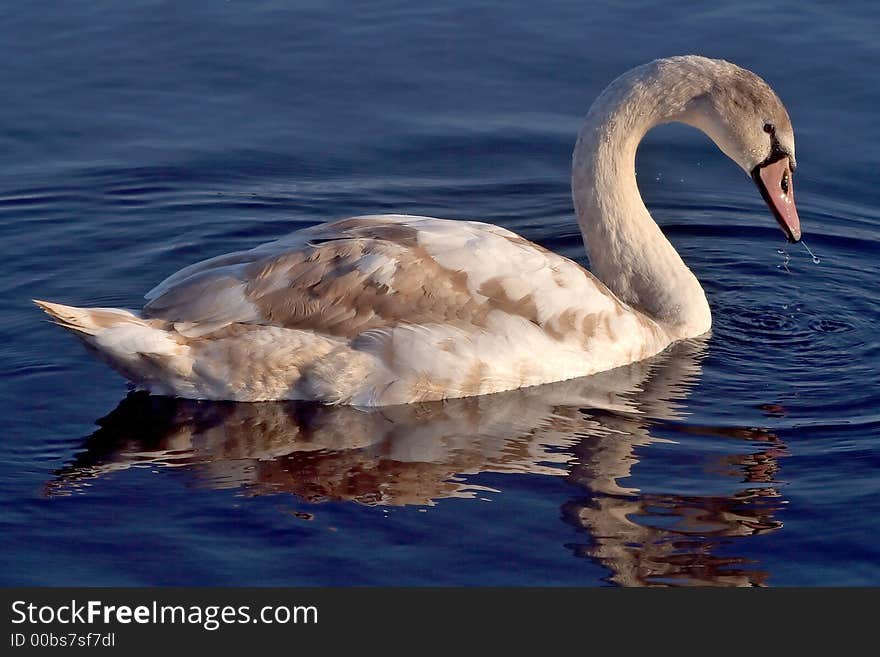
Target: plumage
{"points": [[392, 309], [382, 310]]}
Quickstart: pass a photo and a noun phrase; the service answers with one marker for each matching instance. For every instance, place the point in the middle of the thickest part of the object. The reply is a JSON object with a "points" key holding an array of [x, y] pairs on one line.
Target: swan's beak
{"points": [[776, 185]]}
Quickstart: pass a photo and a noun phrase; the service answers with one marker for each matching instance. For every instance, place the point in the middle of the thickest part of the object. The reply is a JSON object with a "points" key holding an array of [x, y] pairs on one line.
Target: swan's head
{"points": [[745, 117]]}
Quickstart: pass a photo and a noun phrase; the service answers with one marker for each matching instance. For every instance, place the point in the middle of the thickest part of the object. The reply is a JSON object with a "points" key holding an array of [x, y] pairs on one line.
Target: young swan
{"points": [[395, 309]]}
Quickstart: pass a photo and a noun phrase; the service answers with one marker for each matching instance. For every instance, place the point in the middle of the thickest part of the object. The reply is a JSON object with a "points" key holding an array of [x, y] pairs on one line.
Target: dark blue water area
{"points": [[139, 137]]}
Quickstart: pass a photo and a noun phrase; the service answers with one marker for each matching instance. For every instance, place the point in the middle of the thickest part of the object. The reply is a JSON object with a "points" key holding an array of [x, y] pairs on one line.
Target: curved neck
{"points": [[627, 249]]}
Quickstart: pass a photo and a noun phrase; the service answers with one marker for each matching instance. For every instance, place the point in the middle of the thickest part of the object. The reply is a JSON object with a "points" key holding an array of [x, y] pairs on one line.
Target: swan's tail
{"points": [[141, 349], [89, 321]]}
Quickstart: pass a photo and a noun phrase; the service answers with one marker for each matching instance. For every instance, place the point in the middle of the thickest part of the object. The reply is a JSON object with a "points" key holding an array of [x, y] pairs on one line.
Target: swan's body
{"points": [[395, 309], [373, 311]]}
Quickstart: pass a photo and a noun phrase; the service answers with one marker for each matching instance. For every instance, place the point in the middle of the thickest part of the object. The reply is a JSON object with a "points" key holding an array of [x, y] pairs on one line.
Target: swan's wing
{"points": [[364, 273]]}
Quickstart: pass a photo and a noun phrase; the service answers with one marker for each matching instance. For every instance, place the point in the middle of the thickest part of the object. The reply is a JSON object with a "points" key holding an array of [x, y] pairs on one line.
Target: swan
{"points": [[393, 309]]}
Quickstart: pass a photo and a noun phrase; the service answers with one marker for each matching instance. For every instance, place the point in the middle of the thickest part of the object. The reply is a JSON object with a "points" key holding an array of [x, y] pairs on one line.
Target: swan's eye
{"points": [[769, 129], [785, 183]]}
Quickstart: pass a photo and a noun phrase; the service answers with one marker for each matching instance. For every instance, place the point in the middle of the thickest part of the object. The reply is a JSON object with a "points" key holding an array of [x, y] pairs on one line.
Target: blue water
{"points": [[138, 137]]}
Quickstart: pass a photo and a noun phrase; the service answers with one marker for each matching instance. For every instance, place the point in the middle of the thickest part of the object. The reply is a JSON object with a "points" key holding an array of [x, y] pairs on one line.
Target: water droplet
{"points": [[785, 260], [815, 258]]}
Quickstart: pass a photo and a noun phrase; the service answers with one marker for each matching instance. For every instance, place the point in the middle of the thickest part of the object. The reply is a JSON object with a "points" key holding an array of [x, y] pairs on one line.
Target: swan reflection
{"points": [[592, 431]]}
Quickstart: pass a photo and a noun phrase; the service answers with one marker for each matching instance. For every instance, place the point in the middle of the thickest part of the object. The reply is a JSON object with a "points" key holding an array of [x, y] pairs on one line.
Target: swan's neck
{"points": [[628, 251]]}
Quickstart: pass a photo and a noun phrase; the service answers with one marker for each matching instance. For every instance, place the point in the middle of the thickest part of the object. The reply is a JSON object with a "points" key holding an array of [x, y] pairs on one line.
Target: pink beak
{"points": [[774, 181]]}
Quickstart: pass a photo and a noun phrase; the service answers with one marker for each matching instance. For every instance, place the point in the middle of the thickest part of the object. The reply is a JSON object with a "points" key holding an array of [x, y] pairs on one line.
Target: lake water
{"points": [[138, 137]]}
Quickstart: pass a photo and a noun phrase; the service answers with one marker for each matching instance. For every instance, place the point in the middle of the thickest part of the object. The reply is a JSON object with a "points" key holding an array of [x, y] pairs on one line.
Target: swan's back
{"points": [[343, 278]]}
